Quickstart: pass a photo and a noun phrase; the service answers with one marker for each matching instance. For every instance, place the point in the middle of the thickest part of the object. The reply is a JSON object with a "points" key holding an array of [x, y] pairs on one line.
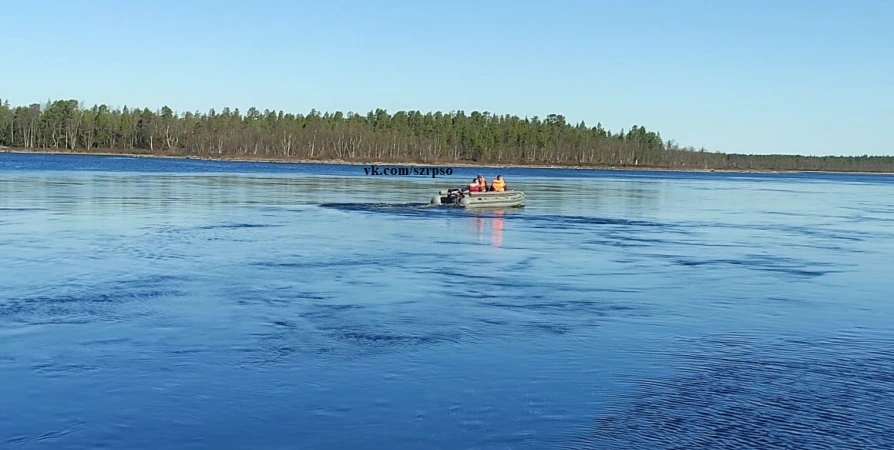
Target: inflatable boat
{"points": [[455, 197]]}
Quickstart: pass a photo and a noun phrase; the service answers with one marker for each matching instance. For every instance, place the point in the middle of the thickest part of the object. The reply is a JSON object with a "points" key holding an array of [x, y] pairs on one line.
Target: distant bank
{"points": [[404, 137], [249, 158]]}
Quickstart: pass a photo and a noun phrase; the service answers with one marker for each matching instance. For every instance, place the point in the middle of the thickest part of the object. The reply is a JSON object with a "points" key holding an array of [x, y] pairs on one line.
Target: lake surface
{"points": [[180, 304]]}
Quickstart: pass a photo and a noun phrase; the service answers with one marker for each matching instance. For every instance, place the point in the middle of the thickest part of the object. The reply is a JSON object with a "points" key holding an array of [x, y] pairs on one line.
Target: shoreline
{"points": [[463, 164]]}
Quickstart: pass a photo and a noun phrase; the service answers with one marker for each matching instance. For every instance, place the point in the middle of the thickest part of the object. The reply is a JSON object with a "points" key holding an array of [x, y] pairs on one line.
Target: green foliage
{"points": [[402, 136]]}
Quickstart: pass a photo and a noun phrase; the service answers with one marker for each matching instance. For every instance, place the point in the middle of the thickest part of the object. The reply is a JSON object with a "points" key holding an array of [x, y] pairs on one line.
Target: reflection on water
{"points": [[497, 227], [489, 224], [288, 308]]}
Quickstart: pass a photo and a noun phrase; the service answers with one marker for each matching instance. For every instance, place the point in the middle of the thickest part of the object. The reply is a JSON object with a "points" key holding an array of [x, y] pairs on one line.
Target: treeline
{"points": [[403, 136]]}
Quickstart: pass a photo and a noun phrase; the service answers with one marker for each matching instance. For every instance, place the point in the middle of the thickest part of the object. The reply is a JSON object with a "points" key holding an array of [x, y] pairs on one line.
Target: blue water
{"points": [[158, 303]]}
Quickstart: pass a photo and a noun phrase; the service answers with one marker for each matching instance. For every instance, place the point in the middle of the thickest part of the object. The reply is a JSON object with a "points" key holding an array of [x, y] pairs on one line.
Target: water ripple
{"points": [[87, 303], [236, 226], [764, 263], [756, 393]]}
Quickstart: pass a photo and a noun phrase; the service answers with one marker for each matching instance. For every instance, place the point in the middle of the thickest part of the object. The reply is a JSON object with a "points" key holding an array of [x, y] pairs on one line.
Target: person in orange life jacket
{"points": [[499, 185], [482, 183]]}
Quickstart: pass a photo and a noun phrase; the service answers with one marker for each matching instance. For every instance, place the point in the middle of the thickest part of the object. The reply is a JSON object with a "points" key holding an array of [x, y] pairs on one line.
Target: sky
{"points": [[786, 76]]}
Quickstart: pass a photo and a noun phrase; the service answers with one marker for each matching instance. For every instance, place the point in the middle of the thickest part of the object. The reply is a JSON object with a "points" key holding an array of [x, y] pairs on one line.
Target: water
{"points": [[151, 303]]}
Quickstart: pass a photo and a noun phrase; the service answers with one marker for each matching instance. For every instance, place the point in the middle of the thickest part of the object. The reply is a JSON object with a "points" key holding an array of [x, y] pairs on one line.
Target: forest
{"points": [[377, 136]]}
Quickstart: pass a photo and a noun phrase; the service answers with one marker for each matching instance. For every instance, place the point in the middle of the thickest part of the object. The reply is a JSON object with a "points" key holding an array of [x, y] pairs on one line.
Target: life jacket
{"points": [[474, 187], [483, 184], [498, 185]]}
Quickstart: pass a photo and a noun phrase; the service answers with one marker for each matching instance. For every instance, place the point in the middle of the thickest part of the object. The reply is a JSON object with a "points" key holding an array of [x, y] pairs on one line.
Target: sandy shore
{"points": [[423, 164]]}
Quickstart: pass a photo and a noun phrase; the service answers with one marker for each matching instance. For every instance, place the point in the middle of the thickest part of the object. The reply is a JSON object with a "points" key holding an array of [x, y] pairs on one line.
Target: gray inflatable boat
{"points": [[455, 197]]}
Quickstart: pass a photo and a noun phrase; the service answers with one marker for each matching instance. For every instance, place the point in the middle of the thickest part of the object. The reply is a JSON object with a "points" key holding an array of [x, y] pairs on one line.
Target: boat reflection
{"points": [[495, 221], [497, 229]]}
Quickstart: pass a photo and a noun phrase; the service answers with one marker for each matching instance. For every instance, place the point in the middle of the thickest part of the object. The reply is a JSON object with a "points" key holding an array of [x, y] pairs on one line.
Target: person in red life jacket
{"points": [[474, 186]]}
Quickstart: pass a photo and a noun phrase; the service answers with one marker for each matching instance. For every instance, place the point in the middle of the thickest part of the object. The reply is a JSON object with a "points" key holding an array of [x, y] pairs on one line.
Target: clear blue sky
{"points": [[759, 76]]}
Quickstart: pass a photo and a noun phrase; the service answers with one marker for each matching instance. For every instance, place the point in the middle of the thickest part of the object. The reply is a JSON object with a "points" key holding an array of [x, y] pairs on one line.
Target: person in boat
{"points": [[474, 186], [499, 185], [478, 184], [482, 183]]}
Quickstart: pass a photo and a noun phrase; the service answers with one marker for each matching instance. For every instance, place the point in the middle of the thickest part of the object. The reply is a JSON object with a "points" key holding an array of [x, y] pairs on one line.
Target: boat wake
{"points": [[402, 209], [375, 206]]}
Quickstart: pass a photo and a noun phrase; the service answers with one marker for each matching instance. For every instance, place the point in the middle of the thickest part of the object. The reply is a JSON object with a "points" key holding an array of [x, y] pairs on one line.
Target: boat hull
{"points": [[506, 199]]}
